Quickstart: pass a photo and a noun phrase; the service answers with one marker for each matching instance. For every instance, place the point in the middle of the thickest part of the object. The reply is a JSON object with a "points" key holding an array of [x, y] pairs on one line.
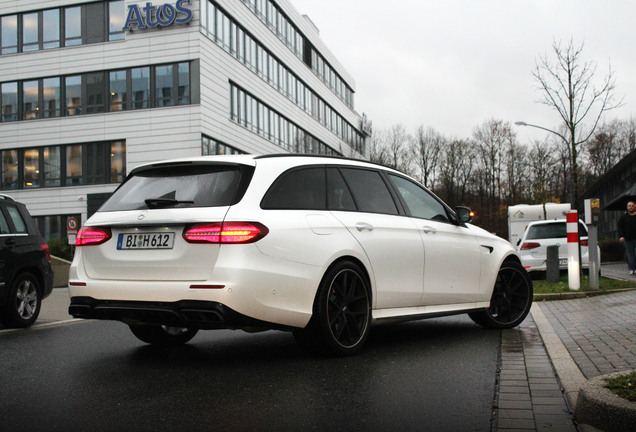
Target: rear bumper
{"points": [[184, 313]]}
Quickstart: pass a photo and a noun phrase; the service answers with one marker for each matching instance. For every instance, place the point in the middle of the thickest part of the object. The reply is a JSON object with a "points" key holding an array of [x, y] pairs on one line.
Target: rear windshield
{"points": [[552, 230], [178, 187]]}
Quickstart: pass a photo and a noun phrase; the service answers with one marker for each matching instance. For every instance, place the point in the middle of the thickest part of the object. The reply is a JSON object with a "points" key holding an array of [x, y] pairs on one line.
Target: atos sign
{"points": [[153, 16]]}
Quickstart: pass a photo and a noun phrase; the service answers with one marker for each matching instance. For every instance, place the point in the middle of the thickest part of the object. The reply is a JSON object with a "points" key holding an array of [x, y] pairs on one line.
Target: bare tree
{"points": [[397, 141], [456, 168], [426, 146], [377, 147], [569, 87]]}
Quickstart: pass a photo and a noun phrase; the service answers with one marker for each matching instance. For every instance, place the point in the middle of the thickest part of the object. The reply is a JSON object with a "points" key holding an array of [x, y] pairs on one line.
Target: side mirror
{"points": [[464, 214]]}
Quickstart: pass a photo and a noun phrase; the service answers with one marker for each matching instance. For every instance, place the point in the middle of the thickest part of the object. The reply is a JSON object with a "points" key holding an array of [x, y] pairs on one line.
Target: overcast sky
{"points": [[454, 64]]}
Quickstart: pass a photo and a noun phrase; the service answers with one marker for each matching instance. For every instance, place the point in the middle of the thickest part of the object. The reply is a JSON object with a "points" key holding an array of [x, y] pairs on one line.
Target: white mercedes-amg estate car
{"points": [[324, 247]]}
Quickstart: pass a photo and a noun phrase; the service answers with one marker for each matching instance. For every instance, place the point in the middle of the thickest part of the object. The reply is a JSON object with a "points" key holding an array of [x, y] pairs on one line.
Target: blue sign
{"points": [[153, 16]]}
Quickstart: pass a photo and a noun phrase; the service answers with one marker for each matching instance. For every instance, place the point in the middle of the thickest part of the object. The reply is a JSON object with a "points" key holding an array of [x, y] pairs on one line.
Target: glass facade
{"points": [[210, 146], [62, 27], [255, 115], [276, 20], [232, 37], [96, 92], [65, 165]]}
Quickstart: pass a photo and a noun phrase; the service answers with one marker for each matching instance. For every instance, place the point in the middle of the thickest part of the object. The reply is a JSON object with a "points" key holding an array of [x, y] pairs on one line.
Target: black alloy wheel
{"points": [[342, 313], [511, 298]]}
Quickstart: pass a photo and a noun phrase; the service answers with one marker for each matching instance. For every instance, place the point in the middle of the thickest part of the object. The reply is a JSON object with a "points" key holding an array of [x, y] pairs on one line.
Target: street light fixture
{"points": [[574, 264], [567, 142], [522, 123]]}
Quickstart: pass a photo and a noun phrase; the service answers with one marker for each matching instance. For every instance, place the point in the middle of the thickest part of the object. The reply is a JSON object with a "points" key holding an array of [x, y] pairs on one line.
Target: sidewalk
{"points": [[552, 355]]}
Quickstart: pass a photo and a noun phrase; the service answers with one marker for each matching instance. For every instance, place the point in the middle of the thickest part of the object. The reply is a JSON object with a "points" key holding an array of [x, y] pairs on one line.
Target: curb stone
{"points": [[599, 407]]}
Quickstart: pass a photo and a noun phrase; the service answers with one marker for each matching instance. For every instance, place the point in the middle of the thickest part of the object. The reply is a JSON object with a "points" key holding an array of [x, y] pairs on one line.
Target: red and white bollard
{"points": [[574, 275]]}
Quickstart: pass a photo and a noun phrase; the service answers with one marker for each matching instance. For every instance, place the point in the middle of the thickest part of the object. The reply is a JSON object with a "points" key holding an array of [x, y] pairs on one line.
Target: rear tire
{"points": [[511, 298], [342, 313], [23, 302], [164, 336]]}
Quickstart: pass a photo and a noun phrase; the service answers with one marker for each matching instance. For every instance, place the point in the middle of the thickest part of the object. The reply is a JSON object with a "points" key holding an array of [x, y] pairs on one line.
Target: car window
{"points": [[552, 230], [370, 193], [419, 202], [338, 194], [177, 186], [16, 218], [4, 225], [300, 189]]}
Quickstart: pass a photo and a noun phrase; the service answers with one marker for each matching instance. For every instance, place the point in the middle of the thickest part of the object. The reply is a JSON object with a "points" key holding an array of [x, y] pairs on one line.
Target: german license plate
{"points": [[563, 262], [151, 240]]}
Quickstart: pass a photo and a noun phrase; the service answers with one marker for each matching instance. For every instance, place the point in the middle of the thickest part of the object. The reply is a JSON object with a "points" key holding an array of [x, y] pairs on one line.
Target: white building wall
{"points": [[161, 133]]}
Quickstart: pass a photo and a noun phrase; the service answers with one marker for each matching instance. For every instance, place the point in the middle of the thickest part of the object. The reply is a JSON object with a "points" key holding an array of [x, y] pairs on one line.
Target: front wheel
{"points": [[23, 303], [511, 298], [342, 313], [161, 335]]}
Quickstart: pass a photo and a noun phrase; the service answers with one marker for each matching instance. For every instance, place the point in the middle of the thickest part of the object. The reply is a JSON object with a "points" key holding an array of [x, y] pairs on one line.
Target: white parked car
{"points": [[324, 247], [538, 235]]}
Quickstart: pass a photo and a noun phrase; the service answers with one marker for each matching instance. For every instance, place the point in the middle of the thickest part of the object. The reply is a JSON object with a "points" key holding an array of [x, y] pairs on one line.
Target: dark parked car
{"points": [[26, 277]]}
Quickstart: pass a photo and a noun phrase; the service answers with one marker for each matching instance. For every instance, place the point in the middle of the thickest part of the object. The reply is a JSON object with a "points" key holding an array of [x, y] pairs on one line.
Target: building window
{"points": [[9, 101], [65, 26], [210, 146], [51, 97], [118, 90], [141, 88], [164, 85], [183, 83], [10, 169], [73, 165], [64, 165], [30, 32], [30, 98], [73, 88], [271, 125], [73, 26], [116, 20], [52, 166], [117, 161], [51, 29], [9, 34], [97, 92], [31, 164]]}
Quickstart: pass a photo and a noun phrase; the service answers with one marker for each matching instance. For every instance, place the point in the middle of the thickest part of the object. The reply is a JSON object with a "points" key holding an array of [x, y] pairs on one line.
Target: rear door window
{"points": [[299, 189], [369, 191], [180, 187], [4, 225], [18, 221]]}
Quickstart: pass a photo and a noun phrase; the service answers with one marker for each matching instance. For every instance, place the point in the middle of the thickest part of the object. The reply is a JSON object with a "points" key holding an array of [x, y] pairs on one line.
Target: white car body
{"points": [[538, 235], [416, 267]]}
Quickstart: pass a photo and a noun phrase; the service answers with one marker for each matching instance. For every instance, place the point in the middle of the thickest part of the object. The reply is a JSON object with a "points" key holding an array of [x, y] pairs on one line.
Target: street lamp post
{"points": [[574, 266], [567, 145]]}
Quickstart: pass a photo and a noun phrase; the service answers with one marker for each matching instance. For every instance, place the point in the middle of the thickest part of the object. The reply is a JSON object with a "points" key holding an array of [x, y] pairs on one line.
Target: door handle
{"points": [[362, 226], [429, 229], [10, 242]]}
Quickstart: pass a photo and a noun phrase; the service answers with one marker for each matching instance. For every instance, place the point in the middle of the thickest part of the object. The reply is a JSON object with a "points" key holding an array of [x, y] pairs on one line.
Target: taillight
{"points": [[47, 252], [92, 236], [584, 242], [227, 232], [529, 245]]}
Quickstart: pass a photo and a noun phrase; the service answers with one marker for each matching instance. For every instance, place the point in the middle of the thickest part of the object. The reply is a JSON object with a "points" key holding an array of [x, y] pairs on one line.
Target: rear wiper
{"points": [[164, 202]]}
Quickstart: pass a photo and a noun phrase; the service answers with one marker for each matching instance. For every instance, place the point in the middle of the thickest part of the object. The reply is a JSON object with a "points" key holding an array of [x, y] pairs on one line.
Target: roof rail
{"points": [[6, 197]]}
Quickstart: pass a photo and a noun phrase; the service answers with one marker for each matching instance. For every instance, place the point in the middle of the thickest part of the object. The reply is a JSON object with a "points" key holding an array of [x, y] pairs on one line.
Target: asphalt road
{"points": [[433, 375]]}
